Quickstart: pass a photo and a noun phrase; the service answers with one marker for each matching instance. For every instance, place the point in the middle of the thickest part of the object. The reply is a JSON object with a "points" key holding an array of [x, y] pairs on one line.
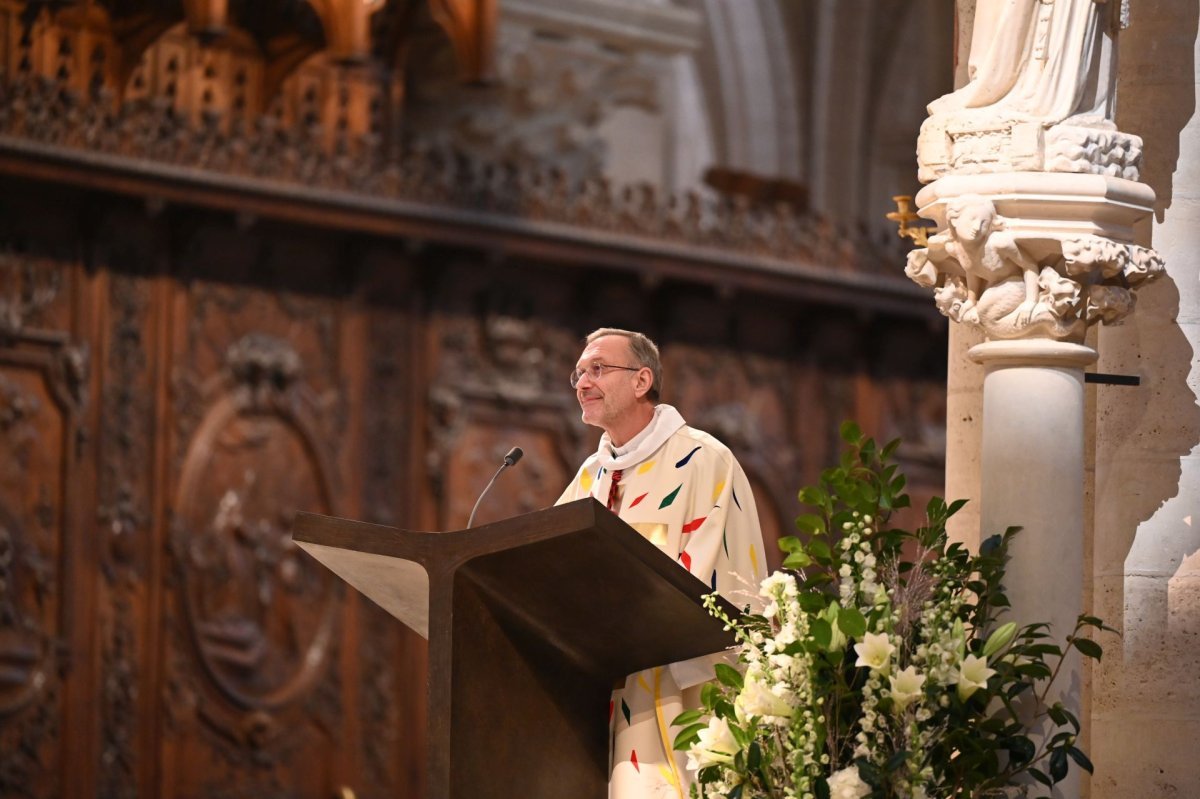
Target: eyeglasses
{"points": [[596, 371]]}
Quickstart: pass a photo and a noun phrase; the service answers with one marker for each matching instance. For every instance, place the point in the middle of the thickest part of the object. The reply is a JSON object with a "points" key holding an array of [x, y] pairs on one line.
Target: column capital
{"points": [[1025, 255]]}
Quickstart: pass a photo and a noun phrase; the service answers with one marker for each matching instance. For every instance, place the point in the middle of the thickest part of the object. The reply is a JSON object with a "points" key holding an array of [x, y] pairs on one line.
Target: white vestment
{"points": [[686, 493]]}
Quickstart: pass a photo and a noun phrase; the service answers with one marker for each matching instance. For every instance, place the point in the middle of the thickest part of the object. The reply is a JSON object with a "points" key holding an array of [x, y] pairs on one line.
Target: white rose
{"points": [[846, 784]]}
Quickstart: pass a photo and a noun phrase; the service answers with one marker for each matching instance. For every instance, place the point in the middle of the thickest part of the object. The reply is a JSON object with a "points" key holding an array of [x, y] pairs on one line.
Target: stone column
{"points": [[1036, 199]]}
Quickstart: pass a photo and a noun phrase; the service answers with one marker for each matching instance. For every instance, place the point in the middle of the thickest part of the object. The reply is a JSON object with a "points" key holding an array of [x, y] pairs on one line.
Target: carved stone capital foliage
{"points": [[1034, 255]]}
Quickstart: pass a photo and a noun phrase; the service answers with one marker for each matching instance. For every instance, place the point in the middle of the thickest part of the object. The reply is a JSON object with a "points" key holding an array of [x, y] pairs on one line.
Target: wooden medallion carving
{"points": [[254, 670], [260, 614]]}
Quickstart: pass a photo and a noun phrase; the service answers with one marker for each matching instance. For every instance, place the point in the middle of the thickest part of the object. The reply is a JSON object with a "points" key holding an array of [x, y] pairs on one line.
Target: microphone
{"points": [[510, 459]]}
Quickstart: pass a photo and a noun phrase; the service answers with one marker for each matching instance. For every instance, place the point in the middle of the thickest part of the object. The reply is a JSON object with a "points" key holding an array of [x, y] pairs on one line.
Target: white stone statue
{"points": [[1040, 59], [1042, 77]]}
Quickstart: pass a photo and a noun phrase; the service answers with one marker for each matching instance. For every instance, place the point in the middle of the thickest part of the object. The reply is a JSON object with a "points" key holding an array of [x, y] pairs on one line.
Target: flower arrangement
{"points": [[878, 667]]}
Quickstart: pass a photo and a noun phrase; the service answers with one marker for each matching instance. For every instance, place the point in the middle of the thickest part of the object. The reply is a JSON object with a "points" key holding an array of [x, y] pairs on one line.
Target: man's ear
{"points": [[645, 380]]}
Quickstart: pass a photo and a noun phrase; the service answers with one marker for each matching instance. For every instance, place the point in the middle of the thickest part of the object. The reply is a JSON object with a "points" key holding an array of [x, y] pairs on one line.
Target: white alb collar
{"points": [[665, 422]]}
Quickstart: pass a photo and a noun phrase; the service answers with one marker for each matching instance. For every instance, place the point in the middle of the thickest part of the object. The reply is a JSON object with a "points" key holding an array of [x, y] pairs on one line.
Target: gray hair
{"points": [[644, 351]]}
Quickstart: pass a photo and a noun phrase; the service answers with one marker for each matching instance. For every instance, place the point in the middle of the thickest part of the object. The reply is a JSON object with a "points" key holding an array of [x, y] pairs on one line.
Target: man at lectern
{"points": [[684, 491]]}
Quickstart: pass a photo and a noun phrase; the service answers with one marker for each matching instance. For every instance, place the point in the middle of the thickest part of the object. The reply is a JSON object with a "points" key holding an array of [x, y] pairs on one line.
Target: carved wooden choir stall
{"points": [[247, 270]]}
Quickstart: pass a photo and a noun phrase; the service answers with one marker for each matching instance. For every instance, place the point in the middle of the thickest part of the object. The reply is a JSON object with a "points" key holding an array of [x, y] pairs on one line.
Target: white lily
{"points": [[906, 686], [715, 746], [875, 652], [759, 698], [972, 675]]}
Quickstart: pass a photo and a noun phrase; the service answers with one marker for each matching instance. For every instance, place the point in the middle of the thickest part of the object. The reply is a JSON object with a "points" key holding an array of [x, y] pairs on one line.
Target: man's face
{"points": [[606, 400]]}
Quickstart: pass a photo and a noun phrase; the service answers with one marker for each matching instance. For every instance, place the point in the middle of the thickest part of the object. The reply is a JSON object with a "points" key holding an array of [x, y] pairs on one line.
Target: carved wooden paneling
{"points": [[253, 664], [43, 378], [500, 382], [124, 520], [174, 384]]}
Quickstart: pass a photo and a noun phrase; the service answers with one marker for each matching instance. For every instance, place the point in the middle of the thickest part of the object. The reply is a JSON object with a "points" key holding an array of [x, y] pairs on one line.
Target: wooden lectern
{"points": [[530, 623]]}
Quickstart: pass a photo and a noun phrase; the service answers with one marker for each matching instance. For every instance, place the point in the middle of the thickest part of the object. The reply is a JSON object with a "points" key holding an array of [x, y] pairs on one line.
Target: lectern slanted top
{"points": [[530, 622]]}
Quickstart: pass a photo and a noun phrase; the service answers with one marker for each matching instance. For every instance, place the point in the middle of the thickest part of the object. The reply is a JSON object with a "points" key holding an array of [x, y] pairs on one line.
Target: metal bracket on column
{"points": [[1111, 380]]}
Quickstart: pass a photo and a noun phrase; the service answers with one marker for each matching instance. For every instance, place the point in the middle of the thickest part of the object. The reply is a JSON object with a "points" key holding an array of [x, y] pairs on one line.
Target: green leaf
{"points": [[851, 433], [797, 560], [1082, 759], [1058, 765], [687, 736], [1020, 749], [740, 735], [812, 602], [687, 717], [989, 545], [709, 694], [1088, 648], [790, 543], [754, 758], [821, 788], [810, 523], [811, 495], [819, 550], [822, 632], [729, 676], [851, 622], [1041, 777], [736, 793]]}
